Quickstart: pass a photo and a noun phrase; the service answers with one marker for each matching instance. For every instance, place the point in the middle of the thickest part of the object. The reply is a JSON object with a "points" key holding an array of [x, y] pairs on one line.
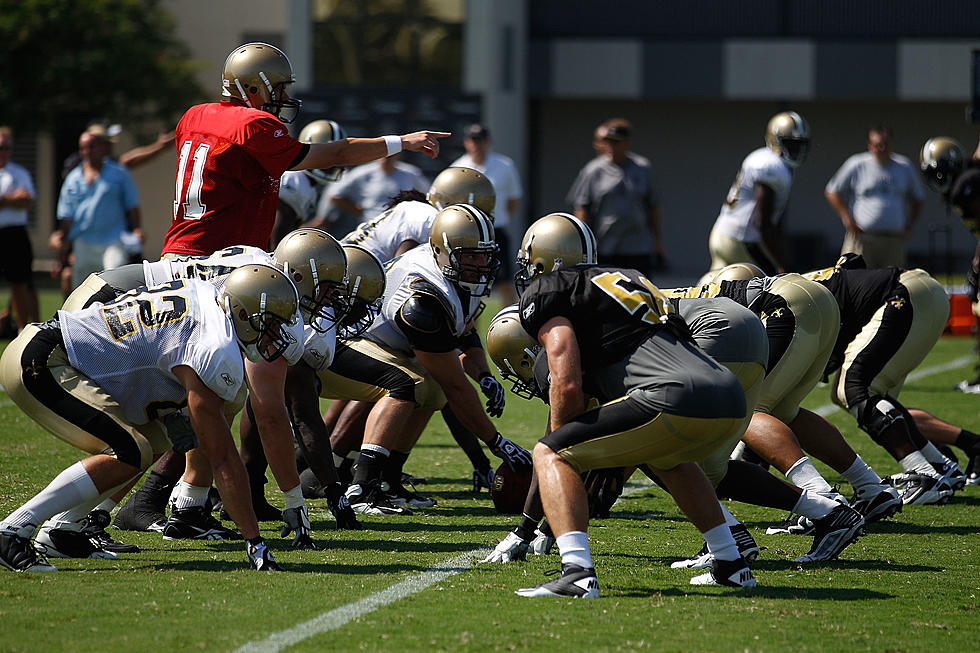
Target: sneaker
{"points": [[260, 557], [197, 524], [402, 496], [482, 480], [136, 517], [973, 470], [372, 501], [833, 533], [920, 489], [746, 544], [876, 502], [730, 573], [951, 474], [574, 581], [971, 386], [18, 554], [93, 525], [64, 543]]}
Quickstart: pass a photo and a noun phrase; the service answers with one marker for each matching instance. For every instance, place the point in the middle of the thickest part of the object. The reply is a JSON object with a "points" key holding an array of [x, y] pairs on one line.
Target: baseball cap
{"points": [[476, 131]]}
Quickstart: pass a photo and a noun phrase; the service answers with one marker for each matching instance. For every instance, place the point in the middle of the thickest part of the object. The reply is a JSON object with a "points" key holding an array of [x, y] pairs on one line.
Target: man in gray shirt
{"points": [[878, 197], [614, 195]]}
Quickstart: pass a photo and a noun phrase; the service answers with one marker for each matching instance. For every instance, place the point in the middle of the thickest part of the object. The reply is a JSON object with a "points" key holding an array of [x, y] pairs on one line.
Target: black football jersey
{"points": [[613, 310]]}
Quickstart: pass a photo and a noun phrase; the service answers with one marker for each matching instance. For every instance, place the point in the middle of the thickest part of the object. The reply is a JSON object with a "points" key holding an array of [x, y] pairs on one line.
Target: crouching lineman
{"points": [[665, 403], [104, 378]]}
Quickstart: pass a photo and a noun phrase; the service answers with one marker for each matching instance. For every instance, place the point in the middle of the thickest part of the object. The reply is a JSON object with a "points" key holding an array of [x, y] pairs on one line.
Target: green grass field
{"points": [[911, 584]]}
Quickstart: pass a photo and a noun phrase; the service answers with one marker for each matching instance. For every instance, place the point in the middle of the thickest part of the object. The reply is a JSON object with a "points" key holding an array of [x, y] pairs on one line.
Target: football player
{"points": [[104, 379], [747, 229], [231, 155], [299, 190], [433, 297], [890, 320]]}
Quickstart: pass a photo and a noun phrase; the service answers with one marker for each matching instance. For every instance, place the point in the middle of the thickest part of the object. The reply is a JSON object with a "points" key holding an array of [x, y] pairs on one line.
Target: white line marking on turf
{"points": [[829, 409], [412, 585]]}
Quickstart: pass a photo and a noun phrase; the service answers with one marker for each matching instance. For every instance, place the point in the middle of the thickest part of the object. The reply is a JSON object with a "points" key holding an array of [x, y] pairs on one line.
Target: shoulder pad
{"points": [[424, 314], [421, 286]]}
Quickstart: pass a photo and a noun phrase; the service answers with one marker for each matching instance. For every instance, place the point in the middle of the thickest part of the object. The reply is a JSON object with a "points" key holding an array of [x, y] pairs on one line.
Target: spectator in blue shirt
{"points": [[98, 204]]}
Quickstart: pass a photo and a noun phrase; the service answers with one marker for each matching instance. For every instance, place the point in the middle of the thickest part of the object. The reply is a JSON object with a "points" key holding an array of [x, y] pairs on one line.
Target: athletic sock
{"points": [[932, 454], [968, 442], [729, 517], [574, 549], [860, 474], [721, 544], [370, 463], [189, 496], [805, 476], [916, 462], [69, 488], [394, 466], [814, 505]]}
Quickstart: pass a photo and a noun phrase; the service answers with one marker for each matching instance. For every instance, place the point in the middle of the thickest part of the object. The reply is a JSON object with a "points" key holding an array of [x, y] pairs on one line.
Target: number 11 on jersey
{"points": [[193, 207]]}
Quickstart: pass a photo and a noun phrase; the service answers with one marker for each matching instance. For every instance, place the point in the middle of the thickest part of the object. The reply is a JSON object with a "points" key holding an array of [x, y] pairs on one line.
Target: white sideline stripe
{"points": [[413, 585], [829, 409]]}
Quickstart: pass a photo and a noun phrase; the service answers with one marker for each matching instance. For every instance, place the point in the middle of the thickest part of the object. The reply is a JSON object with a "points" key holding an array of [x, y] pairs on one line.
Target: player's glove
{"points": [[260, 557], [179, 432], [340, 508], [494, 392], [973, 283], [298, 520], [511, 548], [482, 480], [603, 487], [542, 542], [515, 457]]}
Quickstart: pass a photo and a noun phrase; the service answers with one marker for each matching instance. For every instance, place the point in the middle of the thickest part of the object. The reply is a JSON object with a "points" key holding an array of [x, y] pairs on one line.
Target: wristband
{"points": [[394, 144]]}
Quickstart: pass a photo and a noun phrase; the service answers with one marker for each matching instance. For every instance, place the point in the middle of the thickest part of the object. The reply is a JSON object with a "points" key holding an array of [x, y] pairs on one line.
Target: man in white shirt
{"points": [[878, 197], [16, 258], [502, 172], [364, 190]]}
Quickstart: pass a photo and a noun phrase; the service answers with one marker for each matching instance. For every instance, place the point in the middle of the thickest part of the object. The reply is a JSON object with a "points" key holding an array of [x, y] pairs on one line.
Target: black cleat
{"points": [[575, 582], [64, 543], [372, 500], [94, 525], [876, 502], [833, 534], [746, 544], [197, 524], [730, 573], [18, 554]]}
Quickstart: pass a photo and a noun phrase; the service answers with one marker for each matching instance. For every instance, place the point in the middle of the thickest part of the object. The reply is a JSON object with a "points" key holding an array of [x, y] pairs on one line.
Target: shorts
{"points": [[16, 255]]}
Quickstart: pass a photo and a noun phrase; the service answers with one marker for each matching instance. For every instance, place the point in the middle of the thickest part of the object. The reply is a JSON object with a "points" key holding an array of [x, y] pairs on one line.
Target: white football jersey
{"points": [[130, 346], [214, 268], [404, 221], [299, 193], [763, 166], [418, 263]]}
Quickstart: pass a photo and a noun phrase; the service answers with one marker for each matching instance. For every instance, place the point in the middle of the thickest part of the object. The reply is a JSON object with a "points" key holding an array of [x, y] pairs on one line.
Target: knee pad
{"points": [[878, 415]]}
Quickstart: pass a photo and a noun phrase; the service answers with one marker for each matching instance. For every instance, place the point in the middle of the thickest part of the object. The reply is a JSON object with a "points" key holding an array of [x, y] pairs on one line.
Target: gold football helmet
{"points": [[258, 300], [940, 161], [365, 290], [317, 265], [258, 74], [737, 272], [463, 245], [788, 135], [462, 186], [557, 240], [323, 131], [513, 351]]}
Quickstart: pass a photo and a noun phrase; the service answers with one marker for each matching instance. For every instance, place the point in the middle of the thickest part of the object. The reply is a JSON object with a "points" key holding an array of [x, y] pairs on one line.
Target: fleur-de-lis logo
{"points": [[34, 369], [898, 302]]}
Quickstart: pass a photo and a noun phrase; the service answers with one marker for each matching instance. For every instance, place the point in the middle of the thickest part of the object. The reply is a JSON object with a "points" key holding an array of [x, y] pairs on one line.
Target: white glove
{"points": [[541, 544], [510, 548], [298, 520]]}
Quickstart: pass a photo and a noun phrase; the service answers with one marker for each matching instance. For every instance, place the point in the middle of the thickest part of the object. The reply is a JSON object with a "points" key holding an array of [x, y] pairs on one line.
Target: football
{"points": [[509, 489]]}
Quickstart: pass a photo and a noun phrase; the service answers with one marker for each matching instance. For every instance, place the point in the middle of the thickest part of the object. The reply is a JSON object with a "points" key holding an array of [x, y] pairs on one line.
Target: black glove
{"points": [[603, 487], [494, 392], [179, 432], [973, 284], [341, 510], [298, 520], [260, 557], [515, 457]]}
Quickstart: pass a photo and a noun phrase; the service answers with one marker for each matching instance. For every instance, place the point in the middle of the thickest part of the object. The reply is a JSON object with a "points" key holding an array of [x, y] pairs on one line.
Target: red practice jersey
{"points": [[229, 161]]}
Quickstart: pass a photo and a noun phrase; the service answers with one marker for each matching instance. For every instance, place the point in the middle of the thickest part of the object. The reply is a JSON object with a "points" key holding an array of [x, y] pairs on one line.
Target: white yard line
{"points": [[829, 409], [412, 585]]}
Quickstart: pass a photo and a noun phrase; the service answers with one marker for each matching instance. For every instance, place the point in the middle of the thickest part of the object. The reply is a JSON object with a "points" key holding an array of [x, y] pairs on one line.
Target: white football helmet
{"points": [[258, 301]]}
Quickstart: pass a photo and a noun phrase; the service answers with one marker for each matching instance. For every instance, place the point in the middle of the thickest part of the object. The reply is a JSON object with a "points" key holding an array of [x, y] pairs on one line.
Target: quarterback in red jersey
{"points": [[232, 153]]}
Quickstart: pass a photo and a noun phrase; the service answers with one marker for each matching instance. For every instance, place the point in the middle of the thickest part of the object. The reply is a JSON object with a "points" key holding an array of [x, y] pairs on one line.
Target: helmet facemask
{"points": [[794, 150], [472, 268], [276, 105], [261, 335]]}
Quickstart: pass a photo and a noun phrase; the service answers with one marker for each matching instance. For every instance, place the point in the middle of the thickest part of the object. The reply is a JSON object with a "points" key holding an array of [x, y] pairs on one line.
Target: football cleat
{"points": [[94, 524], [746, 544], [18, 554], [730, 573], [64, 543], [920, 489], [973, 470], [482, 480], [402, 496], [260, 557], [792, 525], [511, 548], [951, 474], [575, 582], [371, 500], [542, 543], [196, 524], [876, 501], [341, 510], [841, 527], [134, 517]]}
